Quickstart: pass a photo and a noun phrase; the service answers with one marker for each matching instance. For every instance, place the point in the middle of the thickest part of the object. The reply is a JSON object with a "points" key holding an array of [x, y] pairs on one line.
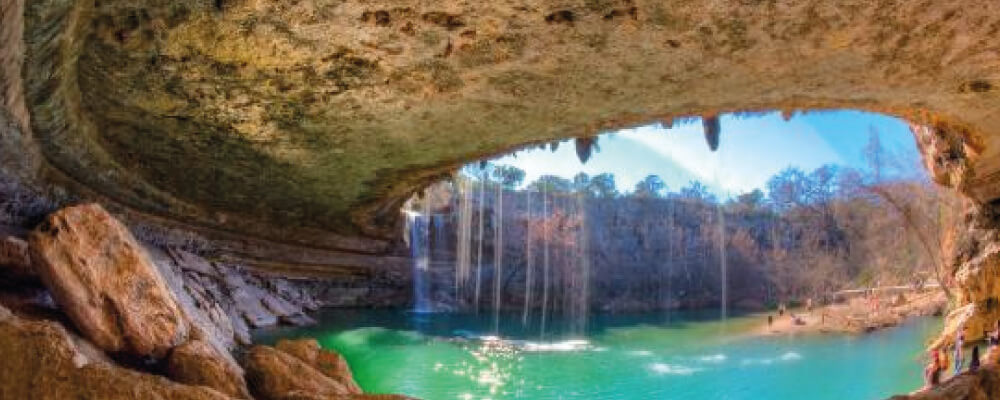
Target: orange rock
{"points": [[328, 362], [198, 363], [276, 375], [42, 361], [105, 282], [980, 385]]}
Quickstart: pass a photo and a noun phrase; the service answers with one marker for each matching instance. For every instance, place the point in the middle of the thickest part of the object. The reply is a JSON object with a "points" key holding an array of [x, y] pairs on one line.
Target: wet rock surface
{"points": [[106, 283]]}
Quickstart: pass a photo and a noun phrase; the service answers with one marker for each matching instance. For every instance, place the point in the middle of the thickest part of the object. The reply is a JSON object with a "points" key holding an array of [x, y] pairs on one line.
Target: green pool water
{"points": [[676, 356]]}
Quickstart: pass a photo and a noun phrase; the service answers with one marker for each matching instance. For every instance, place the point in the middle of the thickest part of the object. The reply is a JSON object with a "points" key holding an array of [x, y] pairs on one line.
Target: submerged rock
{"points": [[41, 360], [328, 362], [198, 363], [105, 282]]}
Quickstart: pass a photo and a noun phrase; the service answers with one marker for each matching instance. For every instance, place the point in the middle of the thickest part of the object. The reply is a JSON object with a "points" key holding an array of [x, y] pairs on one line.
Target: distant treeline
{"points": [[808, 235]]}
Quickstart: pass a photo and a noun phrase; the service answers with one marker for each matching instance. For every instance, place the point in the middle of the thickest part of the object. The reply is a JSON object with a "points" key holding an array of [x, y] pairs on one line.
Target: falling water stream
{"points": [[479, 256], [418, 225], [529, 262], [545, 262], [512, 238], [498, 245]]}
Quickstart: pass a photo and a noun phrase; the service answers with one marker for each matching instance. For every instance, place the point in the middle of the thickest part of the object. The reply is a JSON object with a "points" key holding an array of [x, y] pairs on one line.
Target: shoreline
{"points": [[852, 316]]}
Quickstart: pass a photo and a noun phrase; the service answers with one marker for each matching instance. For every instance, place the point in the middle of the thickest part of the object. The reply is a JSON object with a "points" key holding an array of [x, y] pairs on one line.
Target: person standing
{"points": [[932, 373], [993, 346], [959, 343], [974, 361]]}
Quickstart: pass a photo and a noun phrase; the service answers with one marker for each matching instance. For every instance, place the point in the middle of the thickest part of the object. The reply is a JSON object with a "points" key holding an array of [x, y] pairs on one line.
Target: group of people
{"points": [[939, 362], [796, 319]]}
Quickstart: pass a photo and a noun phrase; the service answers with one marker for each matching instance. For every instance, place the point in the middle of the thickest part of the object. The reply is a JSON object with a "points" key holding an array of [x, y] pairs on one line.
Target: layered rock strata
{"points": [[151, 310]]}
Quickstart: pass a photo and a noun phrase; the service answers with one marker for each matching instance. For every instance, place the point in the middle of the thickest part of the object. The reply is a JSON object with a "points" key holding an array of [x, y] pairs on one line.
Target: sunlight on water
{"points": [[626, 357]]}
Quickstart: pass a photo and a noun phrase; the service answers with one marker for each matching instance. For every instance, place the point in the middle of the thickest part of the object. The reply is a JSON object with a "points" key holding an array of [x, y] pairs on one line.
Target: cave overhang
{"points": [[310, 123]]}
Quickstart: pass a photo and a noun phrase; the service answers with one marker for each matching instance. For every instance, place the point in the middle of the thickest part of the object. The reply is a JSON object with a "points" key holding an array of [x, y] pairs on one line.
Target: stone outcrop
{"points": [[300, 370], [328, 362], [106, 283], [198, 363], [981, 385], [83, 254], [42, 361], [275, 375], [233, 299]]}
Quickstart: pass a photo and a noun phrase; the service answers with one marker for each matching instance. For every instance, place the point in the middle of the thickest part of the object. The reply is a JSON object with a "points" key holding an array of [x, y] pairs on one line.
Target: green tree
{"points": [[651, 186], [581, 183], [551, 183], [509, 176], [696, 191], [603, 186], [750, 200]]}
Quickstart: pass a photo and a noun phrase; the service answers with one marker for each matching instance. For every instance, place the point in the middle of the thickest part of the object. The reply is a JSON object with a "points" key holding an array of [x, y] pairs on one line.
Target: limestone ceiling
{"points": [[313, 119]]}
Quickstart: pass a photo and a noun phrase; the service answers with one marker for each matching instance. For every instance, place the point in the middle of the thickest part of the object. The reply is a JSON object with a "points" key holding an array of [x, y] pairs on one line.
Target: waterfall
{"points": [[670, 256], [497, 256], [528, 261], [722, 260], [463, 254], [419, 236], [479, 255], [545, 258], [582, 287]]}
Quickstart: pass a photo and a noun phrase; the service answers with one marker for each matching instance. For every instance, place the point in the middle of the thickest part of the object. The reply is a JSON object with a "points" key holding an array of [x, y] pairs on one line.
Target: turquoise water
{"points": [[683, 356]]}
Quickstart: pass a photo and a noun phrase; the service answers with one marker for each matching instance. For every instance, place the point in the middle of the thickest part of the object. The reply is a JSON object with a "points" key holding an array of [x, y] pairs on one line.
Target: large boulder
{"points": [[42, 361], [328, 362], [105, 282], [198, 363], [275, 375]]}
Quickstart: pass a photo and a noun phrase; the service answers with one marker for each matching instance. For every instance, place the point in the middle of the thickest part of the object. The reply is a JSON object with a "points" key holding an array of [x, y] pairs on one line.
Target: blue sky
{"points": [[752, 150]]}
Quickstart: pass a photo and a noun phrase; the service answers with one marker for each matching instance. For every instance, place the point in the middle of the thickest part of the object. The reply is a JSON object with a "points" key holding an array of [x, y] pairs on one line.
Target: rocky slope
{"points": [[125, 324]]}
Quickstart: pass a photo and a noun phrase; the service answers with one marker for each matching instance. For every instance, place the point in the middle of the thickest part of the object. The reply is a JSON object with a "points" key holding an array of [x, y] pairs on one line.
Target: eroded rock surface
{"points": [[328, 362], [41, 361], [310, 123], [106, 283], [198, 363], [275, 375], [981, 385]]}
